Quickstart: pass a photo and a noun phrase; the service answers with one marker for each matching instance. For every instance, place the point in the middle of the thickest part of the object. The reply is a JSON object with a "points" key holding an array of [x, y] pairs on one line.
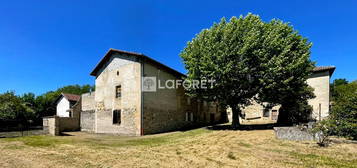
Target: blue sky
{"points": [[48, 44]]}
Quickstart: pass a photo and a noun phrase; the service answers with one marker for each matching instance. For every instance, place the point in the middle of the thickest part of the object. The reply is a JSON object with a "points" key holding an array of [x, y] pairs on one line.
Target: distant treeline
{"points": [[28, 109]]}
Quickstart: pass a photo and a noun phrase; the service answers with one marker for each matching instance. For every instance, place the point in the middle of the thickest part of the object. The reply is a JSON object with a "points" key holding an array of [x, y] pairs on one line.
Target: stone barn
{"points": [[120, 104]]}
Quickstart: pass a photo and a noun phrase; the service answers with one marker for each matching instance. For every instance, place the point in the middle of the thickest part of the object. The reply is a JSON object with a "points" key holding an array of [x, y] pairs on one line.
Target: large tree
{"points": [[344, 111], [249, 60]]}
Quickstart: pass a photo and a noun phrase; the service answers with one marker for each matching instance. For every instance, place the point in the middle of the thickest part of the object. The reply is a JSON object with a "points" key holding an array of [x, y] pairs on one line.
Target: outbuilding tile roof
{"points": [[71, 97]]}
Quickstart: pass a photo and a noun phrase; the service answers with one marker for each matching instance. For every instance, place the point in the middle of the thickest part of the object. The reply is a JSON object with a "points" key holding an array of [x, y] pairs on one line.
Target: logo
{"points": [[149, 84]]}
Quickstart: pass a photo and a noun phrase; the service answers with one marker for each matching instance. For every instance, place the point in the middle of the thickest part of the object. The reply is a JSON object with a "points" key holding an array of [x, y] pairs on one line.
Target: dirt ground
{"points": [[195, 148]]}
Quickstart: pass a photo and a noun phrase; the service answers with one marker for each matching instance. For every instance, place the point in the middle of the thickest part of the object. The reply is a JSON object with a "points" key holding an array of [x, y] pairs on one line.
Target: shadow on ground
{"points": [[242, 127]]}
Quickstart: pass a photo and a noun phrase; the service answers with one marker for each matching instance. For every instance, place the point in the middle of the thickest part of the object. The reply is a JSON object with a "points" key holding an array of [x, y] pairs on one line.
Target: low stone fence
{"points": [[294, 133], [54, 125]]}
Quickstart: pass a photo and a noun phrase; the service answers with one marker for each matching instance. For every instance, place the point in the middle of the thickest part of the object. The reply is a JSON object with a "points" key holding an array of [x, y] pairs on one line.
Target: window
{"points": [[274, 114], [118, 91], [117, 117], [189, 116], [117, 73], [266, 112]]}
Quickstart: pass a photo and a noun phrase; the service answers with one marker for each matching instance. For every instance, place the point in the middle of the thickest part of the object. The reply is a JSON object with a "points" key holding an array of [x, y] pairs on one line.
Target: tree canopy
{"points": [[12, 107], [335, 84], [31, 107], [249, 60]]}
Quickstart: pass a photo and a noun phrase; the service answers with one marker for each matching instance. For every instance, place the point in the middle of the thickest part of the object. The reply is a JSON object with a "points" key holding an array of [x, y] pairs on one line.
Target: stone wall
{"points": [[88, 101], [294, 134], [55, 125], [104, 122], [51, 125], [123, 70], [87, 120], [170, 109], [68, 124]]}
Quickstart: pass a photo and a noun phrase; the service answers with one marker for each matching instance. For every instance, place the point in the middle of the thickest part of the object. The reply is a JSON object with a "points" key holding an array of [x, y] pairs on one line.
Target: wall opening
{"points": [[266, 112], [117, 117], [118, 91]]}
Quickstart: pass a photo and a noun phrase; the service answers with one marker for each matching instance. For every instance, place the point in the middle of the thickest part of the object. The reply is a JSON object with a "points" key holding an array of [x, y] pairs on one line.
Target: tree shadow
{"points": [[242, 127], [65, 134]]}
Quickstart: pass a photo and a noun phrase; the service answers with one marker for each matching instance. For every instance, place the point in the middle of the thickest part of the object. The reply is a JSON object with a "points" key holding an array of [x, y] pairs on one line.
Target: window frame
{"points": [[118, 93]]}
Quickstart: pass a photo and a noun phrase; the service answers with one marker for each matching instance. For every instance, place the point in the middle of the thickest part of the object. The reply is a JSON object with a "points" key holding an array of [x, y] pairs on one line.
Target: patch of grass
{"points": [[14, 147], [247, 145], [315, 160], [161, 140], [47, 141], [39, 141]]}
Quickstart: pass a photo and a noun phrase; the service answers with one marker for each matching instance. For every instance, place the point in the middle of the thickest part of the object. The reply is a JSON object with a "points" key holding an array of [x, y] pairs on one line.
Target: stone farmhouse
{"points": [[120, 104]]}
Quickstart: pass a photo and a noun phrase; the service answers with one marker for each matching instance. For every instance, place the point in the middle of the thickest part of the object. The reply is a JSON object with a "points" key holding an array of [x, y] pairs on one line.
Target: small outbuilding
{"points": [[64, 103]]}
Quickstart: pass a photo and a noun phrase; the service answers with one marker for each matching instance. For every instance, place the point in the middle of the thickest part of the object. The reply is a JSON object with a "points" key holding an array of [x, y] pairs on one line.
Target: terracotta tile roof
{"points": [[71, 97], [111, 51], [324, 68], [331, 69]]}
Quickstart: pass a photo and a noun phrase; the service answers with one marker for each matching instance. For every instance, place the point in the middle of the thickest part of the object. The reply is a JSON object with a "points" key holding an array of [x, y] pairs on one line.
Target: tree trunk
{"points": [[235, 117], [283, 117]]}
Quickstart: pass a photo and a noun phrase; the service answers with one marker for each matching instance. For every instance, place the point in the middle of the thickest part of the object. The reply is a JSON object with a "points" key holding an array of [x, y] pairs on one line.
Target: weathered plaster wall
{"points": [[56, 125], [51, 125], [68, 124], [121, 70], [88, 101], [87, 120], [170, 109], [253, 114], [62, 107], [321, 83]]}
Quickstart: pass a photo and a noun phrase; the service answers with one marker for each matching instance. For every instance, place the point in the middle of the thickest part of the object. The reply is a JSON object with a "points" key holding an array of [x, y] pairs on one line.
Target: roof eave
{"points": [[139, 55]]}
